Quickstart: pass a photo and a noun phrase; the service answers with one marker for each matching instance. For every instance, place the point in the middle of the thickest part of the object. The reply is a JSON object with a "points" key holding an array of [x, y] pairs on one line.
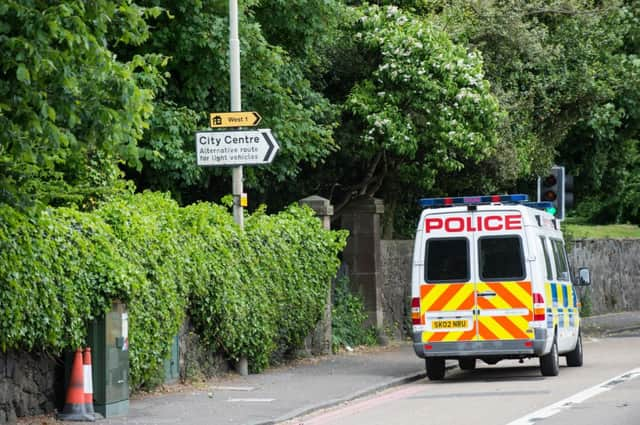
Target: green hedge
{"points": [[250, 293]]}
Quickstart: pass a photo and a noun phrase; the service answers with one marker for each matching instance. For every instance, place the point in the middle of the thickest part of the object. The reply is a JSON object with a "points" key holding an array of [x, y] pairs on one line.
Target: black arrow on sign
{"points": [[258, 118], [270, 143]]}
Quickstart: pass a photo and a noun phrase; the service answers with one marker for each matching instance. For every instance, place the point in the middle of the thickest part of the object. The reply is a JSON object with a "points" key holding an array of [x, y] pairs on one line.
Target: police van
{"points": [[491, 281]]}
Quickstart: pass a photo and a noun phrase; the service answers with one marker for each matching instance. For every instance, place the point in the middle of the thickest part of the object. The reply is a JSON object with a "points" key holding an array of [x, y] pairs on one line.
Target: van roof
{"points": [[537, 214], [530, 216], [520, 199]]}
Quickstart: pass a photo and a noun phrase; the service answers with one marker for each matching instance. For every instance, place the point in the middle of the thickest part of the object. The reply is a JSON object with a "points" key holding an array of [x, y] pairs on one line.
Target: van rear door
{"points": [[475, 278], [447, 295], [503, 290]]}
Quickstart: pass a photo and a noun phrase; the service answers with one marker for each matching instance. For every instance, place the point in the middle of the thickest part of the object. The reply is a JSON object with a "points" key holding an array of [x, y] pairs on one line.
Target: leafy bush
{"points": [[148, 229], [266, 292], [57, 271], [249, 292], [348, 317]]}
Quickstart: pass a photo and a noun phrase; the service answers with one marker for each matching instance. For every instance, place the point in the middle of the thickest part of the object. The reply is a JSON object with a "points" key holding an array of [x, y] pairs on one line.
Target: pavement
{"points": [[304, 386], [612, 324]]}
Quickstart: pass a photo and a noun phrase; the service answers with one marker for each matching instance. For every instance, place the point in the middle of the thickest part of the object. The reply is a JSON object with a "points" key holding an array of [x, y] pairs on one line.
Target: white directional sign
{"points": [[250, 147]]}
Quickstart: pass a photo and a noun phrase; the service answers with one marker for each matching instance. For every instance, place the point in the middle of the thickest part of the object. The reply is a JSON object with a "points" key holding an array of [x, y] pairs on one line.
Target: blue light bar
{"points": [[473, 200]]}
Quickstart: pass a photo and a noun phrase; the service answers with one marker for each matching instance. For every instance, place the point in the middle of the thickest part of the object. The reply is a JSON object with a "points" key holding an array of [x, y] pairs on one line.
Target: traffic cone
{"points": [[74, 407], [88, 381]]}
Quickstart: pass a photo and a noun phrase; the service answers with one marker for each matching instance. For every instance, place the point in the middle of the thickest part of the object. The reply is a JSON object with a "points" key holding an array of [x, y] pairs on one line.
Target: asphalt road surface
{"points": [[606, 390]]}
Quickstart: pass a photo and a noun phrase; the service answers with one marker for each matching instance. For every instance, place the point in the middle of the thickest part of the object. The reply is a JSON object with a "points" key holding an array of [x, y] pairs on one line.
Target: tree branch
{"points": [[370, 174]]}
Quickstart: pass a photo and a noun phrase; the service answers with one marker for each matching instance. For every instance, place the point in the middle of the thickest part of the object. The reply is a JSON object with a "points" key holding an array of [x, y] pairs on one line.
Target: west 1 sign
{"points": [[221, 148], [234, 119]]}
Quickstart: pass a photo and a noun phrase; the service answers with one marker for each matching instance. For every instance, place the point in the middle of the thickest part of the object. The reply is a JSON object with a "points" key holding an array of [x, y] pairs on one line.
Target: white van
{"points": [[491, 281]]}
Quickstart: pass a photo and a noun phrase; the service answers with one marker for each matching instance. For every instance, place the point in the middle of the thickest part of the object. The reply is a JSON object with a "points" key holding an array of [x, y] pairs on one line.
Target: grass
{"points": [[611, 231]]}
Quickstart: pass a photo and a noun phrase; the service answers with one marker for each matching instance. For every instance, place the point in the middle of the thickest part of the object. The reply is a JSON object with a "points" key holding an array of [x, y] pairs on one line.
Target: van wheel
{"points": [[574, 357], [550, 363], [467, 363], [435, 368]]}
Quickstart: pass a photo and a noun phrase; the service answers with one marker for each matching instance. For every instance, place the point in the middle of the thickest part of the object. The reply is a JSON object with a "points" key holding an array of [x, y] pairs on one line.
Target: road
{"points": [[606, 390]]}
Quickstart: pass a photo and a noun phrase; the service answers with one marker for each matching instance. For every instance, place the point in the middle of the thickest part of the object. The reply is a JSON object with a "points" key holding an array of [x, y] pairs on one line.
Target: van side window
{"points": [[447, 260], [501, 258], [560, 259], [547, 261]]}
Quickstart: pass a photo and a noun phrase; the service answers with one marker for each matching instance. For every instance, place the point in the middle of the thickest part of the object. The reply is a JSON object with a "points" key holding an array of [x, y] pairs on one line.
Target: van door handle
{"points": [[487, 294]]}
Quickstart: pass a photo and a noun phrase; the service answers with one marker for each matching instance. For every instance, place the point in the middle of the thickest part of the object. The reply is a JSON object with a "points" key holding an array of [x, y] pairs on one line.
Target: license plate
{"points": [[449, 324]]}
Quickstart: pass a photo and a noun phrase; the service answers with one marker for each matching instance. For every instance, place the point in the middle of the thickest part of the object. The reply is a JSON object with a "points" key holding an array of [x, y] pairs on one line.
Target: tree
{"points": [[70, 110], [564, 71], [417, 107]]}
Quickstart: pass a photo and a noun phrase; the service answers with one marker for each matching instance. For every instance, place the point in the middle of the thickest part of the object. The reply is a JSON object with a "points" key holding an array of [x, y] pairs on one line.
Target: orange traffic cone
{"points": [[74, 407], [88, 381]]}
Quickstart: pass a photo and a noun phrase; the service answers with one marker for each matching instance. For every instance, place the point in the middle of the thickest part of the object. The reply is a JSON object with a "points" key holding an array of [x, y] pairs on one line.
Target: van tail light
{"points": [[538, 307], [415, 311]]}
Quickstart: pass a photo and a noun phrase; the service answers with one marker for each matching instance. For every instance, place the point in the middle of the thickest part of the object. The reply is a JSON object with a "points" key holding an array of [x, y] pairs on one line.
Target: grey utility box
{"points": [[109, 341]]}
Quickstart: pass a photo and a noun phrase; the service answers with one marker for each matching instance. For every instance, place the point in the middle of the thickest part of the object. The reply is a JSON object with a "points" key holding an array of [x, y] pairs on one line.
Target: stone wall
{"points": [[614, 266], [27, 385], [396, 286], [196, 362], [32, 384]]}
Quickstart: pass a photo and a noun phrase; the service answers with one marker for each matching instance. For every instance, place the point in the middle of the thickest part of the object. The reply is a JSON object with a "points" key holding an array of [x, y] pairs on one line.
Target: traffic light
{"points": [[551, 189]]}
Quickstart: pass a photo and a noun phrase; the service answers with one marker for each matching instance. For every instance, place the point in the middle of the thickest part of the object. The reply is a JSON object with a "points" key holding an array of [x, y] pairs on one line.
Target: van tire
{"points": [[550, 363], [467, 363], [435, 368], [574, 357]]}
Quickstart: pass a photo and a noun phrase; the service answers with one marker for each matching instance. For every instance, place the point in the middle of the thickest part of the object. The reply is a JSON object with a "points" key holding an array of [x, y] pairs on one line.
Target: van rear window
{"points": [[447, 260], [501, 258]]}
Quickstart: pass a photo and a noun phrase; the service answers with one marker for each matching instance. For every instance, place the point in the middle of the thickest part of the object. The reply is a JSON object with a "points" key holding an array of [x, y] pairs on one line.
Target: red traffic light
{"points": [[550, 180]]}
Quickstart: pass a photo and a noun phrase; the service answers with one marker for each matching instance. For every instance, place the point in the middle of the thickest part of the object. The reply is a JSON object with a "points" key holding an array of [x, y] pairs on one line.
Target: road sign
{"points": [[251, 147], [234, 119]]}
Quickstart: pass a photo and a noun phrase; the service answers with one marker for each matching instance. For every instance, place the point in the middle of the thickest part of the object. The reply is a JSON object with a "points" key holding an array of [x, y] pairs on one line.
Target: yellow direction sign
{"points": [[234, 119]]}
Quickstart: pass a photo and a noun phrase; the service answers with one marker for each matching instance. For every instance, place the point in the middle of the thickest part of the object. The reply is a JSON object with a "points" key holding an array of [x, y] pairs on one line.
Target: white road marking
{"points": [[251, 400], [227, 388], [569, 402]]}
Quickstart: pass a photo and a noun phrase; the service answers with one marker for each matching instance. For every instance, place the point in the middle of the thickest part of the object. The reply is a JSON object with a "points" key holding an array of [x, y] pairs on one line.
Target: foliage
{"points": [[586, 304], [420, 108], [58, 270], [268, 293], [249, 293], [148, 227], [306, 29], [365, 100], [348, 318], [70, 110], [611, 231], [567, 74]]}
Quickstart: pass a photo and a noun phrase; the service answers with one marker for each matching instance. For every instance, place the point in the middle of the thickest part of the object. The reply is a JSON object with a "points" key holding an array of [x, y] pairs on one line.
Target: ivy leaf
{"points": [[23, 75]]}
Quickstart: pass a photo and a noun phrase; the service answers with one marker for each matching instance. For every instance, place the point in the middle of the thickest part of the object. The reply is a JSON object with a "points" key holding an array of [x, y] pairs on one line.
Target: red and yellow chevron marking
{"points": [[509, 296], [444, 297], [447, 297], [496, 320]]}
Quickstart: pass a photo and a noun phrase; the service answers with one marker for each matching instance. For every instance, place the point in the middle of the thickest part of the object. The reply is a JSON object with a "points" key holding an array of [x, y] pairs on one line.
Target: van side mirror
{"points": [[584, 277]]}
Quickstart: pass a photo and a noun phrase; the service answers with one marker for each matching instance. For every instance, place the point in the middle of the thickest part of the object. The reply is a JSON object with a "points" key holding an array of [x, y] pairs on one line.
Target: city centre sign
{"points": [[248, 147]]}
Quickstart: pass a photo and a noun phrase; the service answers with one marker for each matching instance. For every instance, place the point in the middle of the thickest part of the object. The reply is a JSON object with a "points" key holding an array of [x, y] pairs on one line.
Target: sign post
{"points": [[238, 147], [236, 105]]}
